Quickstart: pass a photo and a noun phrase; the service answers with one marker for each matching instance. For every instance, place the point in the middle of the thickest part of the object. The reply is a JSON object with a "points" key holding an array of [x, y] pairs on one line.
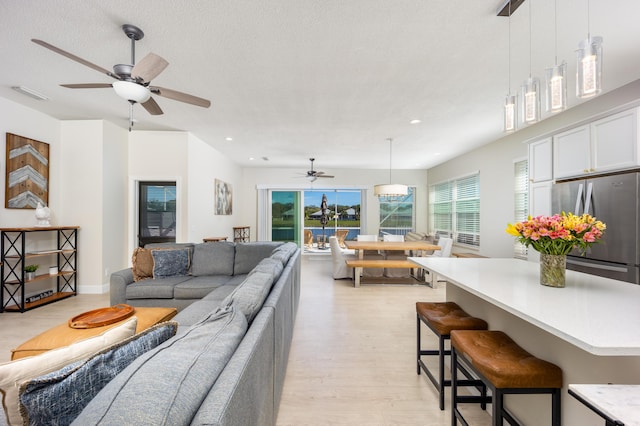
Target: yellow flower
{"points": [[511, 230]]}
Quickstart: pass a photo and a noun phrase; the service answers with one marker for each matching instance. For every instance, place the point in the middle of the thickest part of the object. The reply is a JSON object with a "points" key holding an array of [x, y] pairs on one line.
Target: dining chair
{"points": [[371, 254], [308, 238], [340, 268], [395, 272], [341, 234]]}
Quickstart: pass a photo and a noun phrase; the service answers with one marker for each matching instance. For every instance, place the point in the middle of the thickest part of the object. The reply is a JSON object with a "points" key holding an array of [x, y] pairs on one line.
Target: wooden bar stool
{"points": [[505, 368], [442, 318]]}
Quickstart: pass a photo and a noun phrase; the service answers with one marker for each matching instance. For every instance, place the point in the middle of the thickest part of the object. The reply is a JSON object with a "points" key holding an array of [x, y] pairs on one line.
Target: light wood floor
{"points": [[352, 359]]}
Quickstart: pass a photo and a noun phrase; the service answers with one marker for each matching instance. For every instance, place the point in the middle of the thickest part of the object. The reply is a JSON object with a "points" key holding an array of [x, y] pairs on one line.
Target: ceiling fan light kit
{"points": [[130, 91]]}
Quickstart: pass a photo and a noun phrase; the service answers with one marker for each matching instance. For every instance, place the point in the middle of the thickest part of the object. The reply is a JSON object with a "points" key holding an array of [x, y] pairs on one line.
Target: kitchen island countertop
{"points": [[596, 314]]}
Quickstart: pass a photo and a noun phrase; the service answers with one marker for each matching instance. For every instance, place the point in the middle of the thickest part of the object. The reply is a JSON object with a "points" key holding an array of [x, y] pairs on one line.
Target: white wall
{"points": [[207, 164], [495, 162], [344, 178], [92, 177], [158, 156]]}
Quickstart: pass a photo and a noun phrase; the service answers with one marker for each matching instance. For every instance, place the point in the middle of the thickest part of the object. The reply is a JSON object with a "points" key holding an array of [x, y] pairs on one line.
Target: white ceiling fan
{"points": [[133, 80]]}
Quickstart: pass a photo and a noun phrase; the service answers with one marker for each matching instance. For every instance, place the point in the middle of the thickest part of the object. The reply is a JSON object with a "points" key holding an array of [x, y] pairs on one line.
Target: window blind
{"points": [[521, 201], [455, 209]]}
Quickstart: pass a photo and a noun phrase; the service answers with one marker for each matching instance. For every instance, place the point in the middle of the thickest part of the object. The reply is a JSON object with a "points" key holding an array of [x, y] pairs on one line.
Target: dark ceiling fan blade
{"points": [[179, 96], [152, 107], [324, 176], [87, 86], [149, 67], [75, 58]]}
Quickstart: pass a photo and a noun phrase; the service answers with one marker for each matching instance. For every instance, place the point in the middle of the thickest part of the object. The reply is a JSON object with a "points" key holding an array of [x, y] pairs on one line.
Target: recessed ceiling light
{"points": [[228, 139], [251, 158], [415, 121], [30, 92]]}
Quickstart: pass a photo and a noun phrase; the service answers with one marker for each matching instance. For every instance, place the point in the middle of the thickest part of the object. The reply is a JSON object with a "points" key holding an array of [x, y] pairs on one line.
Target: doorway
{"points": [[156, 212]]}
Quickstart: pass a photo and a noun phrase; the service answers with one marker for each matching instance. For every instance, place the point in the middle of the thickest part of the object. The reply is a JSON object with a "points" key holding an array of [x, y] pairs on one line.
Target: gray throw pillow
{"points": [[73, 386]]}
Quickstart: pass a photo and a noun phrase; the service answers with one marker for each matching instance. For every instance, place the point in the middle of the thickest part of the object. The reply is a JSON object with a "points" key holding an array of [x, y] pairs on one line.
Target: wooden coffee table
{"points": [[63, 335]]}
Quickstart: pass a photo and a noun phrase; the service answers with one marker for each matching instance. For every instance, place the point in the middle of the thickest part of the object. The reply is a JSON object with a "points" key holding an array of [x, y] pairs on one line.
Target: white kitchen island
{"points": [[590, 328]]}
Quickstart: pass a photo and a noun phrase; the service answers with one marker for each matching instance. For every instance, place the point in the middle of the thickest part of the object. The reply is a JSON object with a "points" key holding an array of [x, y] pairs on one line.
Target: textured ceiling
{"points": [[330, 79]]}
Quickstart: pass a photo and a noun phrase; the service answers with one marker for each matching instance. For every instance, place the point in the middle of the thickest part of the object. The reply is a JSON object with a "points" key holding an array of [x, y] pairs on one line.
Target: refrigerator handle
{"points": [[587, 203], [576, 211]]}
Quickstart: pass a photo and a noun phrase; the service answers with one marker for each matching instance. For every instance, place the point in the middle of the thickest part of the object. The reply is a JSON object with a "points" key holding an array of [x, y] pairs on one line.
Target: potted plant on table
{"points": [[555, 237], [30, 271]]}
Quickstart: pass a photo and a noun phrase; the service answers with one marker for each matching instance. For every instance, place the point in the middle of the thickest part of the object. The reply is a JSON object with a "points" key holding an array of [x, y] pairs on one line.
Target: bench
{"points": [[358, 264], [468, 255]]}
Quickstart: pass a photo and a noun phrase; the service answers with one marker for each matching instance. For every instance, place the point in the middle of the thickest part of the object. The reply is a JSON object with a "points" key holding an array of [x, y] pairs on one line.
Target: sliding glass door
{"points": [[343, 212], [286, 216]]}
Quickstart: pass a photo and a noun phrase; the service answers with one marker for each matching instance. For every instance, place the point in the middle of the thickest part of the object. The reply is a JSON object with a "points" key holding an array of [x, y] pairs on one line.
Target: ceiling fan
{"points": [[312, 175], [133, 80]]}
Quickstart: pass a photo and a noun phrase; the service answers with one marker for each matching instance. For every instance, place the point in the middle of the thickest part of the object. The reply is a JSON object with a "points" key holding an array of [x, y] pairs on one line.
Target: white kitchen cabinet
{"points": [[541, 160], [614, 141], [572, 152], [605, 145], [540, 199]]}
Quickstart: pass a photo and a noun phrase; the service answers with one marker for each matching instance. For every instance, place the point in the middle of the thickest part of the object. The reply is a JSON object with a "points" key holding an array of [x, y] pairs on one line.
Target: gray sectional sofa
{"points": [[227, 362]]}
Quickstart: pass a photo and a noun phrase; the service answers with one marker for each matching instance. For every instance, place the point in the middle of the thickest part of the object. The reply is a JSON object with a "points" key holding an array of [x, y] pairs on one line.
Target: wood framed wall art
{"points": [[27, 182]]}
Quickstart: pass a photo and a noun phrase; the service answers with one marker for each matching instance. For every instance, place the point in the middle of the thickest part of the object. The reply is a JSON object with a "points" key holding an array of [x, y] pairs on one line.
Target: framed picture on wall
{"points": [[223, 197], [27, 180]]}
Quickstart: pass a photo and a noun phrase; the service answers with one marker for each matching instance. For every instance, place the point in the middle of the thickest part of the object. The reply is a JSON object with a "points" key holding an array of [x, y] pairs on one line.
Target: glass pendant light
{"points": [[530, 90], [589, 64], [510, 112], [556, 84]]}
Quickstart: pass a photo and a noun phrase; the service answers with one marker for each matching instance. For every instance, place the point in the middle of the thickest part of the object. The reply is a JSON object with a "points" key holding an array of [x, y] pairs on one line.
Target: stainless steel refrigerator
{"points": [[613, 200]]}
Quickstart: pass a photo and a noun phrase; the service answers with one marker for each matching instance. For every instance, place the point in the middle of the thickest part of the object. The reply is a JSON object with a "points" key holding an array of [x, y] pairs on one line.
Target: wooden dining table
{"points": [[361, 246]]}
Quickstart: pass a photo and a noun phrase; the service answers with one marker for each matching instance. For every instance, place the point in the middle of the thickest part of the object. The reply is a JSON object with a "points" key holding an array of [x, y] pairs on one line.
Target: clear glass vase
{"points": [[552, 269]]}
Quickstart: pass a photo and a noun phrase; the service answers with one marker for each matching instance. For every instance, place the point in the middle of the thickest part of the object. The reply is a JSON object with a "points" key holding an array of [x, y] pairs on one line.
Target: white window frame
{"points": [[445, 197]]}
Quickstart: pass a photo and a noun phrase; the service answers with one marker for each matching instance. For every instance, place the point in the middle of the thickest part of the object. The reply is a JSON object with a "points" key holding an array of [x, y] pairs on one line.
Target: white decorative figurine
{"points": [[42, 215]]}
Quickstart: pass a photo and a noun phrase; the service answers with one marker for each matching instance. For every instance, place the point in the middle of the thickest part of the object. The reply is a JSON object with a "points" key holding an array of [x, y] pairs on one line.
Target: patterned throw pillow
{"points": [[169, 263], [75, 385]]}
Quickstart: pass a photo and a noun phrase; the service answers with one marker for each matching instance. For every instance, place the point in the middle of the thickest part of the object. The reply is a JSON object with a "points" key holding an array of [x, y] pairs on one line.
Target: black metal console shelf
{"points": [[13, 282]]}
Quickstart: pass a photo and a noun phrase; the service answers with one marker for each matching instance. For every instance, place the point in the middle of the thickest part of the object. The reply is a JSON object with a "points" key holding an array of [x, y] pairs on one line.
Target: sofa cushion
{"points": [[13, 373], [170, 263], [196, 311], [199, 287], [156, 288], [248, 255], [73, 386], [249, 296], [167, 385], [284, 252], [270, 265], [213, 258]]}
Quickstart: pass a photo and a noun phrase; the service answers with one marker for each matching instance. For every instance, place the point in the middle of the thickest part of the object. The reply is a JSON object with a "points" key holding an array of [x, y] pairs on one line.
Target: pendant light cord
{"points": [[555, 30], [509, 50], [390, 158], [530, 43], [588, 20]]}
